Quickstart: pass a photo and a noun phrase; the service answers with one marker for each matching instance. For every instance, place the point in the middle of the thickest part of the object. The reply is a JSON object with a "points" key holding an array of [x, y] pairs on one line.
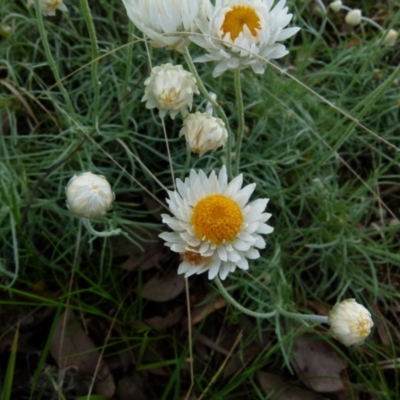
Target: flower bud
{"points": [[89, 195], [353, 17], [203, 132], [335, 6], [49, 7], [170, 88], [391, 37], [350, 322]]}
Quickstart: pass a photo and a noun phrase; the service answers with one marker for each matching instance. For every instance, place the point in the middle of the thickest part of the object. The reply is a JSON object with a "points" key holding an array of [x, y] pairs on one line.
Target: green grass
{"points": [[324, 147]]}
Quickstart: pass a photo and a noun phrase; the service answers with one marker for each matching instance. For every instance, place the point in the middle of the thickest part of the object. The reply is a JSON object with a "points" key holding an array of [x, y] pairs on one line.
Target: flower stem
{"points": [[93, 232], [322, 319], [50, 58], [240, 111], [216, 106], [95, 56], [232, 301]]}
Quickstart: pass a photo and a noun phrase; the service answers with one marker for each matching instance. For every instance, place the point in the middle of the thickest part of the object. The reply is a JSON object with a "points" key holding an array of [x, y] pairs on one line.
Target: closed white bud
{"points": [[335, 6], [350, 322], [170, 88], [353, 17], [203, 132], [391, 37], [89, 195], [49, 7]]}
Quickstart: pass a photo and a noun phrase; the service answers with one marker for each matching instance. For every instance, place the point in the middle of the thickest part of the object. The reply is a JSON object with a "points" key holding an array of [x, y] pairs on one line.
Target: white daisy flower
{"points": [[203, 132], [49, 7], [89, 195], [215, 228], [159, 19], [353, 17], [350, 322], [170, 89], [236, 32]]}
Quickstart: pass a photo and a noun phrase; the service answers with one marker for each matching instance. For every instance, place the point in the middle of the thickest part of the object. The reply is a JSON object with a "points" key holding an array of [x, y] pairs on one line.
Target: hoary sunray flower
{"points": [[353, 17], [159, 19], [238, 32], [49, 7], [215, 228], [350, 322], [203, 132], [89, 195], [170, 89]]}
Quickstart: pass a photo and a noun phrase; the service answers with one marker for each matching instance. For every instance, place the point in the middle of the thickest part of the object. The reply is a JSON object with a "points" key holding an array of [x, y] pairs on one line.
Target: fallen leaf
{"points": [[159, 322], [71, 346], [317, 364], [163, 288], [277, 389], [131, 387], [213, 303], [147, 257]]}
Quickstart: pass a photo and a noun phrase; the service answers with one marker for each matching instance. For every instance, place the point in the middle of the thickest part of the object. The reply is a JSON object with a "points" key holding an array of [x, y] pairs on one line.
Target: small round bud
{"points": [[350, 322], [170, 88], [89, 195], [353, 17], [391, 37], [335, 6], [203, 132]]}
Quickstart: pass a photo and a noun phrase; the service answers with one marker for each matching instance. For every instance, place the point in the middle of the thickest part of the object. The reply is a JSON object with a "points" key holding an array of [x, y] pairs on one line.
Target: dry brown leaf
{"points": [[279, 390], [71, 346], [163, 288], [317, 364], [131, 388], [213, 303], [159, 322], [148, 257]]}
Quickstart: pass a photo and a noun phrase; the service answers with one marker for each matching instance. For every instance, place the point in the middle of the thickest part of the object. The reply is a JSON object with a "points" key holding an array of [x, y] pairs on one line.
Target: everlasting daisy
{"points": [[170, 89], [215, 228], [350, 322], [159, 18], [203, 132], [237, 31], [89, 195], [49, 7]]}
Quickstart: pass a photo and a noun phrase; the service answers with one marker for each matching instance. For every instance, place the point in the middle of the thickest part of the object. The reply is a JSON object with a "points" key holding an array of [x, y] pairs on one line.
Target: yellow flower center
{"points": [[168, 98], [53, 4], [236, 19], [217, 219], [363, 326]]}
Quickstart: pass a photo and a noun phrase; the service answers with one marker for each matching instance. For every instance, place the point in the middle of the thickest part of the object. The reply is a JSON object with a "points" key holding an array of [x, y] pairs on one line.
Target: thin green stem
{"points": [[216, 106], [240, 111], [322, 319], [244, 310], [50, 58], [95, 55], [168, 153], [187, 163], [93, 232]]}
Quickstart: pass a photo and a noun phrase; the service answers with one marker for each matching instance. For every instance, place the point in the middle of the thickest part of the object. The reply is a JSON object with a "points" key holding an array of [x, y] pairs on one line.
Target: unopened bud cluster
{"points": [[354, 17]]}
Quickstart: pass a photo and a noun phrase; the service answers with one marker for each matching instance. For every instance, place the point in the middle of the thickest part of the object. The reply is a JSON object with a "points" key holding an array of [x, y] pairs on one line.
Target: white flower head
{"points": [[203, 132], [238, 32], [391, 37], [215, 228], [170, 88], [353, 17], [350, 322], [335, 6], [89, 195], [49, 7], [159, 19]]}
